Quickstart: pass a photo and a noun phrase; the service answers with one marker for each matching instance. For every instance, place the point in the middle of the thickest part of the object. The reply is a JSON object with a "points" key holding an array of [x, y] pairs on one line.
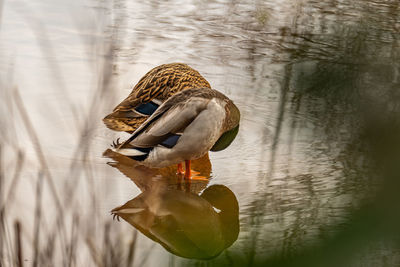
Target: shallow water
{"points": [[296, 167]]}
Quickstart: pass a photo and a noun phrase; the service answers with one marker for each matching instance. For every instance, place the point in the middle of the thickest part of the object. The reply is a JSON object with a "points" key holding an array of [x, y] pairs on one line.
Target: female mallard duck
{"points": [[185, 127], [153, 89]]}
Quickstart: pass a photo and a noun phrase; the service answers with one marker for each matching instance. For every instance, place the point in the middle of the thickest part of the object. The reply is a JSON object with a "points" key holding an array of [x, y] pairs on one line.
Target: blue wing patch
{"points": [[171, 141], [147, 108]]}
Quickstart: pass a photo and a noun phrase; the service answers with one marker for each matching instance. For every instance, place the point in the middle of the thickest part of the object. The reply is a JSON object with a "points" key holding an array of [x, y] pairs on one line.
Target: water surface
{"points": [[300, 72]]}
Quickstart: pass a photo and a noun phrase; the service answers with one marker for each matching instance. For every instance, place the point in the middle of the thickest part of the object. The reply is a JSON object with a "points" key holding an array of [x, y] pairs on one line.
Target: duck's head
{"points": [[230, 127]]}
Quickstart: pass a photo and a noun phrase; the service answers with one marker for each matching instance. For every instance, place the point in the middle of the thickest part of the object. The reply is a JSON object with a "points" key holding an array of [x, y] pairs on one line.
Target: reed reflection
{"points": [[176, 212]]}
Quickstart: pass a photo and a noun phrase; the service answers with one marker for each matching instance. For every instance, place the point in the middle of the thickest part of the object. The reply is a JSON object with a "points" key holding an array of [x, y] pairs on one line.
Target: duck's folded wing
{"points": [[141, 103], [167, 121], [148, 88], [158, 83]]}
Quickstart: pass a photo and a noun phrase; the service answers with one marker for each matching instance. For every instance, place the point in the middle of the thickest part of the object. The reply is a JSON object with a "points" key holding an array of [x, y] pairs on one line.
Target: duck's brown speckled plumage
{"points": [[159, 83]]}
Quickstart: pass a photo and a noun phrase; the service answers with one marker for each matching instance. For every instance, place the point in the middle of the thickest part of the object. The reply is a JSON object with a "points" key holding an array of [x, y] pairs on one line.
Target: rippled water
{"points": [[295, 69]]}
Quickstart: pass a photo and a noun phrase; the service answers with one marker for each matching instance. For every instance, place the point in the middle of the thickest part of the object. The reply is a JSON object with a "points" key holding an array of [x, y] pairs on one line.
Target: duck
{"points": [[183, 128], [154, 88]]}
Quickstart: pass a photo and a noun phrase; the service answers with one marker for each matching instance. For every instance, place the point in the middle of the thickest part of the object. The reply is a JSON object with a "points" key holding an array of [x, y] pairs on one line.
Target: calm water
{"points": [[299, 71]]}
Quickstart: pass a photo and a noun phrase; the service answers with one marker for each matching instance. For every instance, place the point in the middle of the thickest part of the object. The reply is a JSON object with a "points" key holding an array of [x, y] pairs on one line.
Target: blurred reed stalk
{"points": [[18, 244]]}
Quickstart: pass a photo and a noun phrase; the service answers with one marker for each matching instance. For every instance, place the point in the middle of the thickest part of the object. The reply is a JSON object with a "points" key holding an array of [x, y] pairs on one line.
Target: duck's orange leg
{"points": [[187, 169], [180, 169], [189, 172]]}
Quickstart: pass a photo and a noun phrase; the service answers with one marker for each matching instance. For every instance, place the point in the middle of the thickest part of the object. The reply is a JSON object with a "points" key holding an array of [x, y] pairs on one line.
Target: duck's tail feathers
{"points": [[135, 153]]}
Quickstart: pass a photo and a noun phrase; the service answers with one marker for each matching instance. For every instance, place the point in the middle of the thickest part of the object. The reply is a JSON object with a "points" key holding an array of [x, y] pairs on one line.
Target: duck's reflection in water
{"points": [[171, 211]]}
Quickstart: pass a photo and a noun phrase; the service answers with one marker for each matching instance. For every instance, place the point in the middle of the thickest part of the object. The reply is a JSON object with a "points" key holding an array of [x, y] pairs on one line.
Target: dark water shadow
{"points": [[186, 217]]}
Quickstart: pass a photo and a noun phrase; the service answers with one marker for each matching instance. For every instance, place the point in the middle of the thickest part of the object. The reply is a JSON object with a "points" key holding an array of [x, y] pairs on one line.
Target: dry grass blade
{"points": [[18, 244], [1, 205], [131, 254], [94, 253], [14, 183], [73, 241], [38, 216], [1, 237], [6, 250]]}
